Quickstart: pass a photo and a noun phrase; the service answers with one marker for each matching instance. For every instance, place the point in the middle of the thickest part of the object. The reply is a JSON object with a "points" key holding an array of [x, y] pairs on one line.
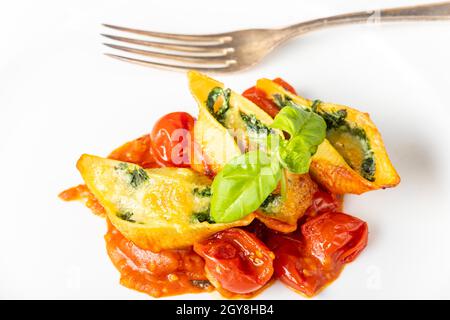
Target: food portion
{"points": [[353, 158], [248, 193], [220, 110], [157, 209]]}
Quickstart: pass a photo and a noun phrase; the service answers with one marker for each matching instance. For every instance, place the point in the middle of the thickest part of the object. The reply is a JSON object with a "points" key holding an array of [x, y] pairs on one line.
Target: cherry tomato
{"points": [[236, 261], [171, 139], [292, 267], [312, 257], [259, 97], [324, 202], [335, 236], [285, 85], [137, 151]]}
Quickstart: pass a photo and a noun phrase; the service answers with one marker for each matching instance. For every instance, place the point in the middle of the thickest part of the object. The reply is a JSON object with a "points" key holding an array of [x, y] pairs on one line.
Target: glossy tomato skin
{"points": [[138, 151], [291, 267], [314, 255], [171, 139], [335, 236], [323, 202], [236, 260], [259, 97]]}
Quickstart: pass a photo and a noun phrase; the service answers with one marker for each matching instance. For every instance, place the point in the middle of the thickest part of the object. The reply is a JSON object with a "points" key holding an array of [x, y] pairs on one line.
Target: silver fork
{"points": [[238, 50]]}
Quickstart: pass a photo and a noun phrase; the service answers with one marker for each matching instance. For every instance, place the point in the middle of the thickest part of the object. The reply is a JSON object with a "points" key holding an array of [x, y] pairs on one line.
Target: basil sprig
{"points": [[242, 186], [306, 129], [248, 179]]}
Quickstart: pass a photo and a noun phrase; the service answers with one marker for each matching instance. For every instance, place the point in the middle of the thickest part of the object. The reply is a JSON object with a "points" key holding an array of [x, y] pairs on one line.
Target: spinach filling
{"points": [[213, 96], [202, 193], [202, 217], [333, 119], [282, 101], [255, 125], [136, 176], [201, 206], [247, 130], [351, 142], [127, 216], [272, 204]]}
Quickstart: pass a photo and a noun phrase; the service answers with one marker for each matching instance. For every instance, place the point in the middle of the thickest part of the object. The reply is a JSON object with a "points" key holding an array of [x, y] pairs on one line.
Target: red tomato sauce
{"points": [[82, 193], [166, 273]]}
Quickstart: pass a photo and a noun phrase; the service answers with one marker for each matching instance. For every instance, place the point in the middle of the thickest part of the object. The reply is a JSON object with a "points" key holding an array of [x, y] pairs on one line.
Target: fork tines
{"points": [[173, 51]]}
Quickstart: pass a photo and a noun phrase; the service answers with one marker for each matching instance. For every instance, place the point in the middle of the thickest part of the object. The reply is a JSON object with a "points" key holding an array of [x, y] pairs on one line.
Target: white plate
{"points": [[59, 98]]}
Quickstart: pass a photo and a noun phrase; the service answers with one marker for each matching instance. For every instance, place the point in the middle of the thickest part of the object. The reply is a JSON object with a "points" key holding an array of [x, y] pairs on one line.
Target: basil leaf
{"points": [[296, 155], [300, 122], [242, 185], [306, 129], [289, 120]]}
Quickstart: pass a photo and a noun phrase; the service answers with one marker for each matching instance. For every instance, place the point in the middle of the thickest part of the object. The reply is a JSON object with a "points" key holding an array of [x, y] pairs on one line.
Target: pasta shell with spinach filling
{"points": [[353, 158], [216, 145], [157, 209], [223, 121], [225, 130], [282, 215]]}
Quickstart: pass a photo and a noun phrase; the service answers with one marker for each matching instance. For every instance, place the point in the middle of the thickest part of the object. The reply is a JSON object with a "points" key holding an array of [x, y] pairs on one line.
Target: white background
{"points": [[60, 97]]}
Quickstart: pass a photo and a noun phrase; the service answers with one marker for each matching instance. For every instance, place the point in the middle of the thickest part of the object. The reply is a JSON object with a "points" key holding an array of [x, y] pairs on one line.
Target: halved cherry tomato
{"points": [[237, 261], [260, 98], [312, 257], [171, 139]]}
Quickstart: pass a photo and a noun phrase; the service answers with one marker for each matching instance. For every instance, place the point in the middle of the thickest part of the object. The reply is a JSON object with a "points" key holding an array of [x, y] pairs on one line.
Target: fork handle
{"points": [[427, 12]]}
